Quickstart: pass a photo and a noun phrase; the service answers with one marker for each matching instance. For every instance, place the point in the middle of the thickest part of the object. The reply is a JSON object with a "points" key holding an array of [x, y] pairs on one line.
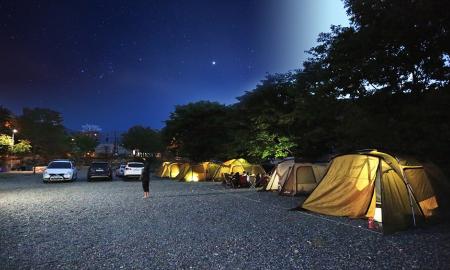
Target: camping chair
{"points": [[252, 181], [228, 180]]}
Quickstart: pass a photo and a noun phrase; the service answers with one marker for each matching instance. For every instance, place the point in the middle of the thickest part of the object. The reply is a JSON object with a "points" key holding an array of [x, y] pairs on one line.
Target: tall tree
{"points": [[200, 131], [6, 120], [145, 139], [44, 129], [84, 143], [265, 113]]}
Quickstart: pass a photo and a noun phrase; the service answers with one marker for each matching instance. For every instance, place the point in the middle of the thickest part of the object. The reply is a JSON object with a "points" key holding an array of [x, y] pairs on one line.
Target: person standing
{"points": [[145, 177]]}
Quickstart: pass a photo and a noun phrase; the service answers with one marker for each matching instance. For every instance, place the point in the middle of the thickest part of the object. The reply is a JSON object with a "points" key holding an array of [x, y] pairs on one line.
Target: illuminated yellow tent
{"points": [[177, 169], [236, 165], [376, 185], [163, 170], [302, 178], [199, 172], [169, 169]]}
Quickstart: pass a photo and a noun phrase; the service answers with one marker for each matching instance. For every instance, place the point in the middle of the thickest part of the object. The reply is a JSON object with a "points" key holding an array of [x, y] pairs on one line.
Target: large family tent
{"points": [[183, 168], [170, 169], [236, 165], [199, 172], [176, 169], [163, 170], [279, 175], [376, 185], [302, 178]]}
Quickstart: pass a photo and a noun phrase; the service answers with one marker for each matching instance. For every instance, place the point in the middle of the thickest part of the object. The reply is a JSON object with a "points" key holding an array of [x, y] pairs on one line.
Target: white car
{"points": [[133, 169], [120, 171], [60, 170]]}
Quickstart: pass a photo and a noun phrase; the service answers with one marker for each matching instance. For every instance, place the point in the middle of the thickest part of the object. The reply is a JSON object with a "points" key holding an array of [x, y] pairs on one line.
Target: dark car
{"points": [[99, 170]]}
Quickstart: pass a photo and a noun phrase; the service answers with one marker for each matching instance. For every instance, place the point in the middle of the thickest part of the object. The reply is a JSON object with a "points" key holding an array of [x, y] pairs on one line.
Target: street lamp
{"points": [[14, 131]]}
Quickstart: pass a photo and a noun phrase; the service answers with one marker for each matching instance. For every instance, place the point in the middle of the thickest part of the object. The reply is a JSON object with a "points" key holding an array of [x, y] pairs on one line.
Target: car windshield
{"points": [[59, 165], [102, 165], [136, 165]]}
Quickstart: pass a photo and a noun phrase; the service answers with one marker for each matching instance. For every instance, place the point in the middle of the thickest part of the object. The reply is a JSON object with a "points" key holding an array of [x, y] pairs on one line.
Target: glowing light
{"points": [[194, 177], [174, 170], [378, 216]]}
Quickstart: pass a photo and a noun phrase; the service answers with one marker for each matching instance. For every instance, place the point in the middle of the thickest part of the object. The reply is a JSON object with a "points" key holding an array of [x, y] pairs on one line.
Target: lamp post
{"points": [[14, 131]]}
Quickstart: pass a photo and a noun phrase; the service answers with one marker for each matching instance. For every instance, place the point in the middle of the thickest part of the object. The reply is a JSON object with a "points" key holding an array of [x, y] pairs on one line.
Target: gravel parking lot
{"points": [[107, 225]]}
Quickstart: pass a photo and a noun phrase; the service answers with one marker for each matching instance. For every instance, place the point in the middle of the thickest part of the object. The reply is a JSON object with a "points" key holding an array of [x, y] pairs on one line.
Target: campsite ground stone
{"points": [[107, 225]]}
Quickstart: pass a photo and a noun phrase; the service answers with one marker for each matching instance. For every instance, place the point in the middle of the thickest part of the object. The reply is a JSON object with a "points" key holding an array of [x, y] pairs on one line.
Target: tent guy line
{"points": [[304, 213], [341, 223]]}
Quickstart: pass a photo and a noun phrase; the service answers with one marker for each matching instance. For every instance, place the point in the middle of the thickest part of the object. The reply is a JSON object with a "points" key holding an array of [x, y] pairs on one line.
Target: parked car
{"points": [[60, 170], [133, 169], [120, 170], [99, 170]]}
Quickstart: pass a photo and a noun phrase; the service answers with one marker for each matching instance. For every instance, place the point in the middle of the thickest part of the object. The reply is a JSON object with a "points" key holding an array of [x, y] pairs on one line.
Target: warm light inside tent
{"points": [[378, 217], [174, 171], [194, 177]]}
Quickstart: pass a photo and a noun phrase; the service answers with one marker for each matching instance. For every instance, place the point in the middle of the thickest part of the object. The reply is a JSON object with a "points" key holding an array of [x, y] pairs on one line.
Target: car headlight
{"points": [[46, 175], [67, 175]]}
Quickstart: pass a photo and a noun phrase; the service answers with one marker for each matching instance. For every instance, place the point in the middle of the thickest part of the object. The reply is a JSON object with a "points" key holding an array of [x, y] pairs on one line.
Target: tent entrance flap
{"points": [[347, 188], [399, 209]]}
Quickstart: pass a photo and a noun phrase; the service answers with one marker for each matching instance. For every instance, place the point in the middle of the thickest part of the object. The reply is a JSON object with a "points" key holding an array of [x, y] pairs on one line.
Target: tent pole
{"points": [[408, 187], [411, 204]]}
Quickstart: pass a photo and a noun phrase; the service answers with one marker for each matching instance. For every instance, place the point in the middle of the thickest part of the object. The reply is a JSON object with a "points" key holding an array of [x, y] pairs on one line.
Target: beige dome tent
{"points": [[236, 165], [302, 178], [279, 175], [198, 172], [375, 185]]}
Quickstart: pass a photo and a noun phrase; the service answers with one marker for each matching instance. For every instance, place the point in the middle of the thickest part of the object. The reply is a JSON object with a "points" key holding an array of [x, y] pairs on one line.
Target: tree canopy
{"points": [[145, 139], [200, 131], [382, 82], [44, 129]]}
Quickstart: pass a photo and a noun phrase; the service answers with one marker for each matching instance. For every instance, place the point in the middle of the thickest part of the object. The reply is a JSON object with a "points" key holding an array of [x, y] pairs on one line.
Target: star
{"points": [[213, 63]]}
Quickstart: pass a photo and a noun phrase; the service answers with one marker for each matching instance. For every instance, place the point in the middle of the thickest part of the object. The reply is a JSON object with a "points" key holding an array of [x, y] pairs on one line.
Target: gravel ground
{"points": [[107, 225]]}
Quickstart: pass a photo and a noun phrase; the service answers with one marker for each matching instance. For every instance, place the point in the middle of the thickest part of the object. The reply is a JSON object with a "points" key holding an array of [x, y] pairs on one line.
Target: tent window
{"points": [[305, 175]]}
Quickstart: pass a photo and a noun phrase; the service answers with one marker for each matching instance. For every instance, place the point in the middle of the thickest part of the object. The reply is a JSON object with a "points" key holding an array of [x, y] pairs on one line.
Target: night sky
{"points": [[121, 63]]}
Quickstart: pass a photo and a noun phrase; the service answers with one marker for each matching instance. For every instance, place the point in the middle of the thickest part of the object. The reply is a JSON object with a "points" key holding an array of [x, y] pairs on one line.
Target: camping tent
{"points": [[291, 177], [376, 185], [302, 178], [176, 169], [170, 169], [163, 170], [279, 175], [236, 165], [198, 172]]}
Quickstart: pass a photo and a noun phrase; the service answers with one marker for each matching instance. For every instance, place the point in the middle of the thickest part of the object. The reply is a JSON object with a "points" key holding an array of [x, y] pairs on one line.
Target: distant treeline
{"points": [[382, 82]]}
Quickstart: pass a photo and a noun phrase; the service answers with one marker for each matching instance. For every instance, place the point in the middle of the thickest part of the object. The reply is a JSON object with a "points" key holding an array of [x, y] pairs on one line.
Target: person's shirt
{"points": [[146, 173]]}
